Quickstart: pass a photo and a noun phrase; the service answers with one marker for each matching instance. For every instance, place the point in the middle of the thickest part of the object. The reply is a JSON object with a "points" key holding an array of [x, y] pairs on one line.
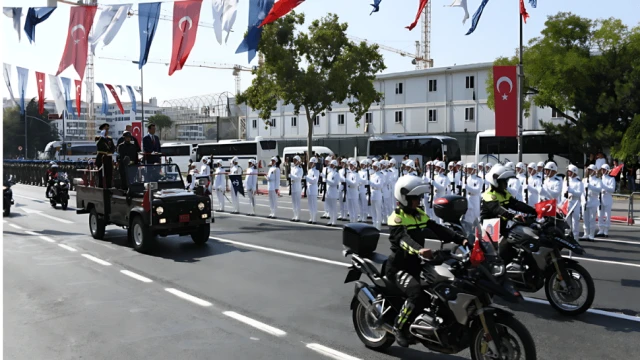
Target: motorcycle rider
{"points": [[52, 174], [409, 226]]}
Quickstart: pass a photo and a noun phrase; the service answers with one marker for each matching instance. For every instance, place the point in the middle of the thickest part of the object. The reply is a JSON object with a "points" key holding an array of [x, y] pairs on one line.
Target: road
{"points": [[260, 289]]}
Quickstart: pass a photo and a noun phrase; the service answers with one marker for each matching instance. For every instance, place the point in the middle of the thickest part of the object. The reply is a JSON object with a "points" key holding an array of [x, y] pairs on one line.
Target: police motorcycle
{"points": [[59, 192], [460, 313], [8, 196]]}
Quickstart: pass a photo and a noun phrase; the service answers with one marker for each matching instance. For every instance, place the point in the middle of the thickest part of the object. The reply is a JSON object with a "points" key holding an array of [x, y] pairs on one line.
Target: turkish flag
{"points": [[280, 9], [78, 95], [505, 86], [115, 96], [616, 170], [40, 79], [76, 49], [421, 6], [136, 130], [186, 15], [546, 208], [523, 11]]}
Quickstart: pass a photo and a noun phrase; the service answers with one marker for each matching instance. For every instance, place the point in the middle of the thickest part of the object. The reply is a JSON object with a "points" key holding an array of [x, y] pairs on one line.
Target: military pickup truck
{"points": [[155, 203]]}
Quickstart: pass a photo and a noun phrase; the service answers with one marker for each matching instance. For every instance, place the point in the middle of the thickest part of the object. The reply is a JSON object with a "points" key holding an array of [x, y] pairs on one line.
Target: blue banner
{"points": [[258, 10], [66, 85], [105, 100], [34, 17], [236, 182], [133, 100], [476, 16], [23, 75], [148, 16]]}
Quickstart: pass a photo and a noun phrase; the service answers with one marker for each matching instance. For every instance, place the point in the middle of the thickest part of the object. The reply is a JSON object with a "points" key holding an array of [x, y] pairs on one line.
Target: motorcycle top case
{"points": [[450, 208], [360, 239]]}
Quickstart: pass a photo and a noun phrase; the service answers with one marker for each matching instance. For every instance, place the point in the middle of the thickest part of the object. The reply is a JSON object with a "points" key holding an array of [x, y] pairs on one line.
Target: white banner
{"points": [[109, 23]]}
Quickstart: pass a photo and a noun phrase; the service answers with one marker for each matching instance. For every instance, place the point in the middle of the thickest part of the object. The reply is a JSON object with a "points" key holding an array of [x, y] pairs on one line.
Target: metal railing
{"points": [[630, 209]]}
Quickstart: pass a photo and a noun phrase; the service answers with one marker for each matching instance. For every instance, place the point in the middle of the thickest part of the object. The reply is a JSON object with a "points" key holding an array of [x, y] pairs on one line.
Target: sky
{"points": [[496, 35]]}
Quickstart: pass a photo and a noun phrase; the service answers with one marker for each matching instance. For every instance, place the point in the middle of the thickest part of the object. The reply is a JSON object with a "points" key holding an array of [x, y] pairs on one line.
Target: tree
{"points": [[313, 70], [39, 134], [161, 121], [629, 149], [588, 72]]}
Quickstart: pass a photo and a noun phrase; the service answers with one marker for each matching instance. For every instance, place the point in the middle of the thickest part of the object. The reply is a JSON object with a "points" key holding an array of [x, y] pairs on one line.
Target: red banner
{"points": [[115, 96], [40, 79], [78, 96], [505, 86], [186, 15], [76, 49], [280, 9], [523, 11], [136, 131], [421, 6], [547, 208]]}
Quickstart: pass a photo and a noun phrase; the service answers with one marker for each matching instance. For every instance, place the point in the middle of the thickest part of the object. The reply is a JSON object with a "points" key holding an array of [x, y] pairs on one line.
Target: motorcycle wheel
{"points": [[517, 343], [565, 302], [376, 339], [53, 203]]}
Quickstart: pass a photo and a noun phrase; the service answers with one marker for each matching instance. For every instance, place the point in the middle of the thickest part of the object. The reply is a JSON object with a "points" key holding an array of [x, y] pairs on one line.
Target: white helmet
{"points": [[376, 164], [234, 159], [392, 162], [499, 172], [411, 164], [510, 165], [481, 165], [459, 163], [429, 163], [409, 186], [219, 162], [488, 165], [296, 158], [532, 165], [334, 162], [605, 167], [520, 165], [442, 165], [592, 167], [572, 168], [451, 164], [252, 161], [471, 166], [541, 164], [313, 160], [353, 163], [551, 166]]}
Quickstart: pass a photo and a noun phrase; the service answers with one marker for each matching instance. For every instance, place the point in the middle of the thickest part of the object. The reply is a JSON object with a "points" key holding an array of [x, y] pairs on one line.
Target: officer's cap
{"points": [[126, 133], [313, 160], [103, 126]]}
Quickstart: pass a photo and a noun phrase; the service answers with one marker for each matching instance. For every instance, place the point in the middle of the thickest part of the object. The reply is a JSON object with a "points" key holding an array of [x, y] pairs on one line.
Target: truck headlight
{"points": [[201, 206], [159, 210], [59, 183]]}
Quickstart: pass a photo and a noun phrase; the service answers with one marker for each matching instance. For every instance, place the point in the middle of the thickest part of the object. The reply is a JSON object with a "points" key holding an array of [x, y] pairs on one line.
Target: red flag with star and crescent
{"points": [[505, 87], [40, 80], [280, 9], [78, 84], [186, 15], [421, 6], [115, 96], [76, 49], [546, 208]]}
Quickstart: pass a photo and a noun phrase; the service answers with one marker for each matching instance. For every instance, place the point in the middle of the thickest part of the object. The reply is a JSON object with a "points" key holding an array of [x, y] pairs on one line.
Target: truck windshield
{"points": [[161, 173]]}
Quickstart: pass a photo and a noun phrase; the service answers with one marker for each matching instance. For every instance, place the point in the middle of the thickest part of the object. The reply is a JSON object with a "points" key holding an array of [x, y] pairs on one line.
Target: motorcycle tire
{"points": [[591, 291], [53, 203], [514, 325], [378, 344]]}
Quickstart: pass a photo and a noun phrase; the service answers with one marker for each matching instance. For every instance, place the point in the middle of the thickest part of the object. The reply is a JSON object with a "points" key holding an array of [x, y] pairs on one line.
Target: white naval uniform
{"points": [[205, 171], [220, 186], [323, 176], [532, 185], [296, 190], [387, 194], [364, 203], [331, 199], [251, 183], [428, 207], [575, 190], [473, 188], [377, 184], [590, 203], [604, 211], [455, 180], [552, 189], [235, 199], [353, 181], [313, 175], [342, 205], [441, 185], [273, 185]]}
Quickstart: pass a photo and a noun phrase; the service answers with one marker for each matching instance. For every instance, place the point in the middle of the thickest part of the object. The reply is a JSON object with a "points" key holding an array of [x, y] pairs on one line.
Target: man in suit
{"points": [[151, 144]]}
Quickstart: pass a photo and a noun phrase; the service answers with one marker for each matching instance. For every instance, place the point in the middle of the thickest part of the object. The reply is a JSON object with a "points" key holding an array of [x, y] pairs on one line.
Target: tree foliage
{"points": [[629, 149], [39, 134], [313, 70], [588, 71], [161, 121]]}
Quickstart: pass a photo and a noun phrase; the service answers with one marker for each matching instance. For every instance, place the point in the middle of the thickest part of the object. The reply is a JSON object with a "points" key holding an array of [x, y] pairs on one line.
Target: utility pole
{"points": [[521, 95]]}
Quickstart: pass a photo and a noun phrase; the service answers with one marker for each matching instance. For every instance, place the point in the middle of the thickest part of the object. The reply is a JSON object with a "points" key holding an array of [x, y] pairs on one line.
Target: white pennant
{"points": [[58, 97], [14, 13], [7, 79], [218, 7], [229, 16], [462, 4], [111, 19]]}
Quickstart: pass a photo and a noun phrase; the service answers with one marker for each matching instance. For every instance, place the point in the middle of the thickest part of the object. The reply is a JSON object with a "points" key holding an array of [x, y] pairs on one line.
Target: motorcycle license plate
{"points": [[184, 218]]}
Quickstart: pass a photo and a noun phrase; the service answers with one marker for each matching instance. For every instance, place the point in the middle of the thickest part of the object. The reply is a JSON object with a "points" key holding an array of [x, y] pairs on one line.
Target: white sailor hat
{"points": [[252, 161], [234, 159], [334, 162], [393, 161], [313, 160], [274, 159], [296, 158]]}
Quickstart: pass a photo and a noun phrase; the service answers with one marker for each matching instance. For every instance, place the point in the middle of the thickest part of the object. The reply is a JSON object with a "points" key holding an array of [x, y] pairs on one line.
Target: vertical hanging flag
{"points": [[105, 100], [78, 96], [148, 16], [23, 75], [115, 96], [257, 12], [523, 11], [139, 90], [186, 15], [505, 88], [376, 6], [76, 50], [280, 9], [120, 88], [58, 98], [133, 99], [34, 17], [40, 80], [229, 16], [66, 85], [476, 17], [14, 13], [218, 12], [421, 6], [463, 5], [109, 23], [534, 3], [7, 79]]}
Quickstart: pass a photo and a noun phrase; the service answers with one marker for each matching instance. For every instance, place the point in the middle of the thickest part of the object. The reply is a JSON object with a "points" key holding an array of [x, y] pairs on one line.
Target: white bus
{"points": [[75, 150], [180, 154], [259, 149], [421, 147], [290, 151], [536, 146]]}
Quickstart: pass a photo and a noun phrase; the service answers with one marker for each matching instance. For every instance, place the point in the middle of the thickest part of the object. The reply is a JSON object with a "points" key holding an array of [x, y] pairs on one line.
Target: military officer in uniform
{"points": [[473, 188], [235, 170], [296, 175], [441, 184], [251, 183], [219, 184], [552, 185], [590, 202], [363, 176], [352, 182], [104, 159], [323, 176], [333, 191], [606, 201], [273, 184], [534, 186], [342, 214], [312, 177], [572, 193], [127, 155], [377, 182]]}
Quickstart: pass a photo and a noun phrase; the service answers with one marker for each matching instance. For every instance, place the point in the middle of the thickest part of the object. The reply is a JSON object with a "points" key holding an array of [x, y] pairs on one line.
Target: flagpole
{"points": [[521, 89]]}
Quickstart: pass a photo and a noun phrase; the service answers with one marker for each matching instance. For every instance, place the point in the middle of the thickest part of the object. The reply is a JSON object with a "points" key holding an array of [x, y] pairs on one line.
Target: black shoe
{"points": [[401, 338]]}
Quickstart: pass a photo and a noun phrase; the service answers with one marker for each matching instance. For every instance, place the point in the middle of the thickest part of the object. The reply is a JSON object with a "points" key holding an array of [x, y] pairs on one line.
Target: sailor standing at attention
{"points": [[313, 175], [441, 184], [473, 188], [273, 185], [590, 202], [251, 182], [353, 193], [333, 191], [219, 184], [535, 185], [235, 170], [606, 201], [323, 176], [377, 182], [572, 193], [296, 187], [342, 214], [364, 176]]}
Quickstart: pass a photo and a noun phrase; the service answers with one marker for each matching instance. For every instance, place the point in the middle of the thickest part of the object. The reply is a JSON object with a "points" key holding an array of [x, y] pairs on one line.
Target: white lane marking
{"points": [[188, 297], [136, 276], [27, 197], [282, 252], [95, 259], [256, 324], [39, 212], [329, 352], [604, 261], [46, 238], [618, 241], [592, 311], [67, 247], [4, 221], [32, 233], [16, 226]]}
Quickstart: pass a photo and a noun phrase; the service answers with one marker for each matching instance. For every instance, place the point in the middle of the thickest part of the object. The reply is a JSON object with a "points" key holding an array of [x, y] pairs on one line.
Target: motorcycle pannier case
{"points": [[450, 208], [361, 239]]}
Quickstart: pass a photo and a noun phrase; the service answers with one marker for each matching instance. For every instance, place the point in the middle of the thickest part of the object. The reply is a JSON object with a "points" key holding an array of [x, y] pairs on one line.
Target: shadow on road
{"points": [[418, 353], [58, 233]]}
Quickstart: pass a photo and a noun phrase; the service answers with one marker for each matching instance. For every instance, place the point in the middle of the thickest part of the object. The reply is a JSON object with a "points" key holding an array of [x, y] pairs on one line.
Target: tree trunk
{"points": [[309, 134]]}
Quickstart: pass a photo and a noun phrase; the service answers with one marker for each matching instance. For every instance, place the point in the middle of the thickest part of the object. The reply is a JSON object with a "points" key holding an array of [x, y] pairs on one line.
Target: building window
{"points": [[273, 122], [398, 117], [556, 114], [368, 118], [316, 121], [469, 114], [341, 119], [471, 82], [294, 121], [433, 115], [433, 85], [398, 88]]}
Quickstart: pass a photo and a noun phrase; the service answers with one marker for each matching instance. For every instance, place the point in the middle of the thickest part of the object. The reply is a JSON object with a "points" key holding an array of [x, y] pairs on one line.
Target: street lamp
{"points": [[141, 95]]}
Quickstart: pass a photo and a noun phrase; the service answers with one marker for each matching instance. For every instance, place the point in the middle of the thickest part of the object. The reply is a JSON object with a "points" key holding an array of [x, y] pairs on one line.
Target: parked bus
{"points": [[259, 149], [421, 147], [536, 146], [180, 154], [73, 151]]}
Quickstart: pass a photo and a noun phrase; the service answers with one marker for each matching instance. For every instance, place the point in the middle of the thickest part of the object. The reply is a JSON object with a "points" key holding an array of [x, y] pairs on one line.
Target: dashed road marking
{"points": [[329, 352], [188, 297], [255, 323], [48, 239], [136, 276], [592, 311], [95, 259], [16, 226], [67, 247]]}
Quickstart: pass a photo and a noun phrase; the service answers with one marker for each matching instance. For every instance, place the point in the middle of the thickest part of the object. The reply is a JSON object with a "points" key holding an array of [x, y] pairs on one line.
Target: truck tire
{"points": [[201, 235], [141, 236], [96, 225]]}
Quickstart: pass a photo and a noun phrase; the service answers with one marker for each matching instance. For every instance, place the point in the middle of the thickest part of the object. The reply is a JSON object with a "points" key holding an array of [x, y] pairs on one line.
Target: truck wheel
{"points": [[201, 235], [141, 235], [96, 225]]}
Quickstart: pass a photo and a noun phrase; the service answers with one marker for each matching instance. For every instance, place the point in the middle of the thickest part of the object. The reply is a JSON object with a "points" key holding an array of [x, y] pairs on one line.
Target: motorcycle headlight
{"points": [[159, 210], [59, 183], [497, 270], [201, 206]]}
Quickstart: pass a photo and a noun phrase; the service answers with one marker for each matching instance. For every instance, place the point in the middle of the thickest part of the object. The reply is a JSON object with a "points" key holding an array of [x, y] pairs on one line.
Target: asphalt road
{"points": [[260, 289]]}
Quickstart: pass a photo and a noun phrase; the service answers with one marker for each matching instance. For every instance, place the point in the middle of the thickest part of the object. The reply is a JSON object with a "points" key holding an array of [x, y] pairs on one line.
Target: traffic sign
{"points": [[19, 148]]}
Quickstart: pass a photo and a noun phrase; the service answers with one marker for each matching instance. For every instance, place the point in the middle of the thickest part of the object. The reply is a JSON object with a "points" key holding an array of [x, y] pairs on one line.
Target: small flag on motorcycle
{"points": [[477, 254], [546, 208]]}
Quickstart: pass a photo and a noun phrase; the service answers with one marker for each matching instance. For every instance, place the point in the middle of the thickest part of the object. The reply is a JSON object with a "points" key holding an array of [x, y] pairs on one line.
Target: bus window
{"points": [[268, 144], [175, 150], [453, 150]]}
